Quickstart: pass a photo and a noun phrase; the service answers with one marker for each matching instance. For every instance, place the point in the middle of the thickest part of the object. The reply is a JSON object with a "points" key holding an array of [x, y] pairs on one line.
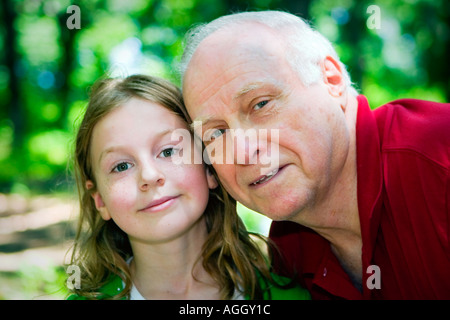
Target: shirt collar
{"points": [[370, 179]]}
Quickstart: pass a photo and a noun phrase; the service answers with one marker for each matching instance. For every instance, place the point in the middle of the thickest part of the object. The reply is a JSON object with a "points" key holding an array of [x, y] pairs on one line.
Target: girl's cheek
{"points": [[120, 195], [194, 180]]}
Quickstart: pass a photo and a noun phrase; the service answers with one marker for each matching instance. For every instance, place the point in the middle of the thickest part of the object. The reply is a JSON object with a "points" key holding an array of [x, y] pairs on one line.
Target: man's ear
{"points": [[212, 182], [99, 204], [333, 77]]}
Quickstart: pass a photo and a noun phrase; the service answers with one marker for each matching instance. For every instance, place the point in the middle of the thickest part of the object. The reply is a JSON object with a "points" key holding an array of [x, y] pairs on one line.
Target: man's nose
{"points": [[246, 146]]}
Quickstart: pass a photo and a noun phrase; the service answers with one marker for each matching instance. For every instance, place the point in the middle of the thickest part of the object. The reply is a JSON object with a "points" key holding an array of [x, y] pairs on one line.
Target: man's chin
{"points": [[278, 213]]}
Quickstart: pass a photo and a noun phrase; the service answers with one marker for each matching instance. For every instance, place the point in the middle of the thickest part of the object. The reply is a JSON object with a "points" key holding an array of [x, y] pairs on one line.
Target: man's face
{"points": [[244, 82]]}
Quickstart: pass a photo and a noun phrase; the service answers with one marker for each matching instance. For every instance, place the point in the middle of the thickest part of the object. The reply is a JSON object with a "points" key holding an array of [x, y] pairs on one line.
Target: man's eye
{"points": [[216, 134], [260, 105], [122, 167]]}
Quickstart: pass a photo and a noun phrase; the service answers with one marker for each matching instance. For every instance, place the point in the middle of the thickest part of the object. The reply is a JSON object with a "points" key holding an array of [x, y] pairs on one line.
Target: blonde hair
{"points": [[230, 255]]}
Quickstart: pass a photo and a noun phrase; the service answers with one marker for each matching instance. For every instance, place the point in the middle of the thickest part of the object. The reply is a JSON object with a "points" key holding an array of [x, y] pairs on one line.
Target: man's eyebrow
{"points": [[247, 88], [200, 122]]}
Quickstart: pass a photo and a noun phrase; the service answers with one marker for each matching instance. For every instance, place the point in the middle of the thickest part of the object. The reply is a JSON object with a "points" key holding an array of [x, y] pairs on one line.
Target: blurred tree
{"points": [[67, 64], [13, 101]]}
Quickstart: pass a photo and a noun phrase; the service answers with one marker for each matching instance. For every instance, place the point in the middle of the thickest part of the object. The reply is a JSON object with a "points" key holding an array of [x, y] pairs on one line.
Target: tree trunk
{"points": [[15, 107]]}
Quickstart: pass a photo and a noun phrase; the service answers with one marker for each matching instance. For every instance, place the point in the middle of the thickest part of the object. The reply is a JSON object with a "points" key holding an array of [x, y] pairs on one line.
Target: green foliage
{"points": [[6, 139], [254, 221], [34, 282], [43, 282]]}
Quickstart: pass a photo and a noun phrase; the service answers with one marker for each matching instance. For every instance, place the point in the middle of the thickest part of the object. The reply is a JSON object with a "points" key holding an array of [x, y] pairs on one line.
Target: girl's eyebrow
{"points": [[120, 147], [107, 151], [165, 132]]}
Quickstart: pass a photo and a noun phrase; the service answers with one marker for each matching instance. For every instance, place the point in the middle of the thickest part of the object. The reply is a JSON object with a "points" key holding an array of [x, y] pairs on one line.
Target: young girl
{"points": [[150, 227]]}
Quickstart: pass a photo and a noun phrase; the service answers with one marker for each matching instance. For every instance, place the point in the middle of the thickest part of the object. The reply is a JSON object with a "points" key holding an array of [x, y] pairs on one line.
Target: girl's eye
{"points": [[260, 105], [123, 166], [166, 153]]}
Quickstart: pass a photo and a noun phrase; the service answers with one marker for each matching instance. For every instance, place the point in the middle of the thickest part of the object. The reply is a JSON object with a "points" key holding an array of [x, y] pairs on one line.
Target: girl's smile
{"points": [[160, 204], [132, 153]]}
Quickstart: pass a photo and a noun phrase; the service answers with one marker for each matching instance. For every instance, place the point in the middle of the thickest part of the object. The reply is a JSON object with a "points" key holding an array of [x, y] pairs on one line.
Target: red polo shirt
{"points": [[403, 165]]}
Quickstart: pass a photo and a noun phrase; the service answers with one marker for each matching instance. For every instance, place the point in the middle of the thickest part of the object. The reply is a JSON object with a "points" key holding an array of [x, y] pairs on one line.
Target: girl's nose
{"points": [[151, 176]]}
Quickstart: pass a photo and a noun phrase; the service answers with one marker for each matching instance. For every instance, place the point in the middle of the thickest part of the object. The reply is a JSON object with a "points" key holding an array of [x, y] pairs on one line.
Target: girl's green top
{"points": [[296, 292]]}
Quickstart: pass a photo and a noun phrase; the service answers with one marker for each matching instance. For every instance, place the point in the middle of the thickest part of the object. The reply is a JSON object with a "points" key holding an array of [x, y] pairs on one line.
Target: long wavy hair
{"points": [[231, 255]]}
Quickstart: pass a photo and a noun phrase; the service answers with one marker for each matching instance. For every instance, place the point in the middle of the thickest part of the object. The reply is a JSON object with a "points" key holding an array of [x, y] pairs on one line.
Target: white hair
{"points": [[306, 46]]}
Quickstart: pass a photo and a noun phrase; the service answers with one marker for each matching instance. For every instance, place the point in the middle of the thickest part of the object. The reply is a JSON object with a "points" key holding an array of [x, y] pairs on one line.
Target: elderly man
{"points": [[360, 198]]}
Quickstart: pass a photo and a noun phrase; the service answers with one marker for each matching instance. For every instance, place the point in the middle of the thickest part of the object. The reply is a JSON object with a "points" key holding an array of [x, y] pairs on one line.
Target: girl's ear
{"points": [[212, 182], [99, 204]]}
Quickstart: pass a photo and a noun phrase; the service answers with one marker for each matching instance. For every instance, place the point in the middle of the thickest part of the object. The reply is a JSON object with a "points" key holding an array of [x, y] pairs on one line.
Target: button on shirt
{"points": [[403, 167]]}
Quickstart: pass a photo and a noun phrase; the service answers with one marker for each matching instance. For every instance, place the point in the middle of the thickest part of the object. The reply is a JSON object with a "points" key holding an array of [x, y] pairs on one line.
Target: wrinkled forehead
{"points": [[245, 40], [231, 51]]}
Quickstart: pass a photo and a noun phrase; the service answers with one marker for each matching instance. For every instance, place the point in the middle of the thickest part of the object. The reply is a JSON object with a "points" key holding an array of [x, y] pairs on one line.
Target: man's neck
{"points": [[349, 257], [336, 217]]}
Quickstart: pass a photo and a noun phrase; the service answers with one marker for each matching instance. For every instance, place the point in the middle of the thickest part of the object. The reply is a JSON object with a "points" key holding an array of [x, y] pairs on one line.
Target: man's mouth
{"points": [[265, 177]]}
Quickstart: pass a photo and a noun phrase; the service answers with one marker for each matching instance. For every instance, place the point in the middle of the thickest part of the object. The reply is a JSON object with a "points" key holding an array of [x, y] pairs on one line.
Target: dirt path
{"points": [[35, 235]]}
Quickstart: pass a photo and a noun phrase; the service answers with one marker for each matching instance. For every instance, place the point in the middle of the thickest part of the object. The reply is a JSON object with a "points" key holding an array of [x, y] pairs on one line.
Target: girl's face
{"points": [[149, 196]]}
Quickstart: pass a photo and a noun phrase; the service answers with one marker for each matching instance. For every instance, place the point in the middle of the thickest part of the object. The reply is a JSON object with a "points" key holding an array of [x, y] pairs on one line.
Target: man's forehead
{"points": [[244, 36], [223, 50], [230, 64]]}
